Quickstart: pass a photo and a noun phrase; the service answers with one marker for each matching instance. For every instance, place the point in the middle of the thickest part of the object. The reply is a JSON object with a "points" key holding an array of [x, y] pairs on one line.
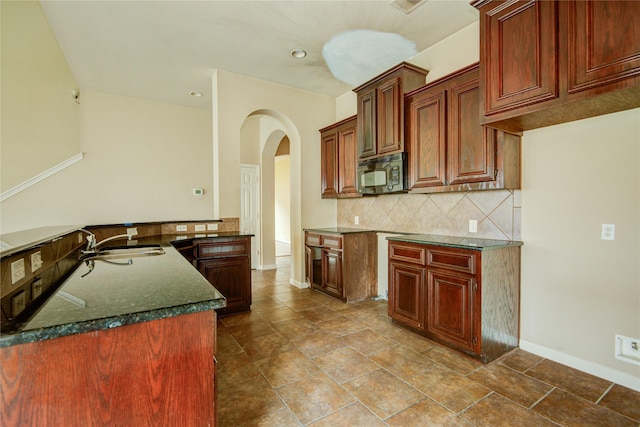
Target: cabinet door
{"points": [[232, 278], [519, 54], [348, 161], [308, 265], [332, 272], [603, 43], [450, 308], [389, 97], [329, 164], [367, 124], [406, 294], [427, 139], [472, 148]]}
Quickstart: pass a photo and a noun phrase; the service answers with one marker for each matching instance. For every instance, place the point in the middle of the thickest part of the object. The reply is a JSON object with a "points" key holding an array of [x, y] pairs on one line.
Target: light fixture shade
{"points": [[356, 56]]}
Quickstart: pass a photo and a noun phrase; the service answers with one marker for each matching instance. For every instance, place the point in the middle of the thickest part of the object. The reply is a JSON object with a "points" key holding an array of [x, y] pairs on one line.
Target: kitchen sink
{"points": [[123, 252]]}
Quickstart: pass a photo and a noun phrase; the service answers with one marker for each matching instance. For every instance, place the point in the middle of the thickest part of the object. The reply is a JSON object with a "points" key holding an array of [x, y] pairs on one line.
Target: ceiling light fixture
{"points": [[195, 94], [298, 53]]}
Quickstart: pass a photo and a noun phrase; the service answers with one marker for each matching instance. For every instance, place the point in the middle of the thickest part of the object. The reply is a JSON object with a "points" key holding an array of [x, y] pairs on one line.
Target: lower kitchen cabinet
{"points": [[342, 263], [226, 263], [466, 299], [153, 373]]}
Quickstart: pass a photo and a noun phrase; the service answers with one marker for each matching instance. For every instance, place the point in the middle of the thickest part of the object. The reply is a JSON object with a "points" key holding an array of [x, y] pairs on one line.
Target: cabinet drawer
{"points": [[333, 242], [407, 253], [312, 239], [463, 262], [223, 249]]}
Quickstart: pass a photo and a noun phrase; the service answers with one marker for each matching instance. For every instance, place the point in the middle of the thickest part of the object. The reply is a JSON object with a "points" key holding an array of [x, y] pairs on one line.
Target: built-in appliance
{"points": [[382, 175]]}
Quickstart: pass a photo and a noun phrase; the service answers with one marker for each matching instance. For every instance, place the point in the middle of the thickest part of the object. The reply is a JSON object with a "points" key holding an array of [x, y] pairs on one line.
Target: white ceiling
{"points": [[162, 50]]}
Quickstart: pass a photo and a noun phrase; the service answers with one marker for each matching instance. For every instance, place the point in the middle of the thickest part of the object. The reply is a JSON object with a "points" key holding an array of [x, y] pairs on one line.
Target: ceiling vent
{"points": [[406, 6]]}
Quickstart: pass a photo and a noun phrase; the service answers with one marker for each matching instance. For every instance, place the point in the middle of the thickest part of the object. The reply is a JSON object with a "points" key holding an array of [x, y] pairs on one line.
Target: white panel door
{"points": [[250, 208]]}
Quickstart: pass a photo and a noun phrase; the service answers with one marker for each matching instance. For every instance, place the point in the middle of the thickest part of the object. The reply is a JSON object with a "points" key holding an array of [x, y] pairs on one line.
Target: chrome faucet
{"points": [[92, 243]]}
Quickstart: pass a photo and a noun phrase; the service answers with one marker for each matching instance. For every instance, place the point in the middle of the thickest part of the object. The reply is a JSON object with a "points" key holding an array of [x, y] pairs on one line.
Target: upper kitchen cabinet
{"points": [[549, 62], [339, 159], [448, 149], [381, 110]]}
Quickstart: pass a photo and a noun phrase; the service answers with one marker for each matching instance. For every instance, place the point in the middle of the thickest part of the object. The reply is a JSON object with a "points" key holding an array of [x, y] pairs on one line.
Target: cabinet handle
{"points": [[475, 286], [475, 340]]}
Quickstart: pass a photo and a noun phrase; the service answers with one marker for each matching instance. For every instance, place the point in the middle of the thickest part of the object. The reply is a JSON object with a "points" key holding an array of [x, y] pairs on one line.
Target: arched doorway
{"points": [[262, 135]]}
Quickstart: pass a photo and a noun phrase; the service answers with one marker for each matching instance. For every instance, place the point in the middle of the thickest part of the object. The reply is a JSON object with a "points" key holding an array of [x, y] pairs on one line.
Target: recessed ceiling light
{"points": [[298, 53], [196, 94]]}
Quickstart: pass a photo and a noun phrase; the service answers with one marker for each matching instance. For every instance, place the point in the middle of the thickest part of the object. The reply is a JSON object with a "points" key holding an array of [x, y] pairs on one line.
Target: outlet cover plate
{"points": [[628, 349], [17, 270], [608, 232]]}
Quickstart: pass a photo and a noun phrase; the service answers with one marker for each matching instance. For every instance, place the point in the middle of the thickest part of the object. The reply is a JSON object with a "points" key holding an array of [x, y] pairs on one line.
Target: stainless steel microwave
{"points": [[382, 175]]}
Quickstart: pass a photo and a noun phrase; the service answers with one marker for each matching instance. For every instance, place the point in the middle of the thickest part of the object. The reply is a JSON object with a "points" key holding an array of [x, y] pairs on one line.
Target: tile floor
{"points": [[301, 358]]}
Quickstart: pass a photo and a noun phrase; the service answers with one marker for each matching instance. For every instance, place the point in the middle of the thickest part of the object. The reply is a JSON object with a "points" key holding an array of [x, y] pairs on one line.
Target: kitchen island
{"points": [[126, 341]]}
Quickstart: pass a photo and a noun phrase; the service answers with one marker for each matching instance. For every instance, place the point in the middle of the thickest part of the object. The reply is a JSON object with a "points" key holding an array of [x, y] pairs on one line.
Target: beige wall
{"points": [[40, 119], [282, 198], [142, 161], [578, 291]]}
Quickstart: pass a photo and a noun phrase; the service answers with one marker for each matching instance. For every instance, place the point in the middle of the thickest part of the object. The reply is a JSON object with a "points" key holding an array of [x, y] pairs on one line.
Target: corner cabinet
{"points": [[381, 110], [226, 263], [342, 263], [551, 62], [466, 299], [338, 159], [448, 149]]}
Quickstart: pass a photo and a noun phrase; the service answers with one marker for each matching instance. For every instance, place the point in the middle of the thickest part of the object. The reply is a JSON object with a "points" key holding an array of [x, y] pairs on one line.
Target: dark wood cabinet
{"points": [[226, 263], [338, 160], [551, 62], [381, 110], [342, 264], [463, 298], [157, 372], [406, 296], [447, 148]]}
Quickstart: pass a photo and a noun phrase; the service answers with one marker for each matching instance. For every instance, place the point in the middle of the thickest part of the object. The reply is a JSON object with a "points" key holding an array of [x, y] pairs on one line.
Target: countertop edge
{"points": [[477, 244], [58, 331]]}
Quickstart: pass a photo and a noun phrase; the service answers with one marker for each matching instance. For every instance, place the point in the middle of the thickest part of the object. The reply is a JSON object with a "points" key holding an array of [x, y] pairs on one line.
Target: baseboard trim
{"points": [[40, 177], [601, 371], [297, 284], [267, 267]]}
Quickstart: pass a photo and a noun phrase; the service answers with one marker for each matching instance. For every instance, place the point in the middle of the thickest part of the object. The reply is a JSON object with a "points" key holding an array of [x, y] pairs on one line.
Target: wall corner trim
{"points": [[41, 176]]}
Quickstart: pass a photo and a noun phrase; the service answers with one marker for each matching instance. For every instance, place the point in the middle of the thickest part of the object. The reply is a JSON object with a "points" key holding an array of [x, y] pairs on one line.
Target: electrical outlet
{"points": [[132, 232], [608, 232], [17, 270], [201, 227], [181, 228], [36, 289], [628, 349], [18, 303], [356, 220], [36, 261], [473, 226], [212, 227]]}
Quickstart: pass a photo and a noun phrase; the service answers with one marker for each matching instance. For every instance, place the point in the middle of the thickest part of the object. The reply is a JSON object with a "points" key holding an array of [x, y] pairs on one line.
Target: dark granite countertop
{"points": [[455, 242], [112, 295], [338, 230]]}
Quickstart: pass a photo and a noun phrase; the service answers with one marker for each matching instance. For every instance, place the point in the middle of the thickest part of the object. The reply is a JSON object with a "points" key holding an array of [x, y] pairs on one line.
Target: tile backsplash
{"points": [[497, 213]]}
